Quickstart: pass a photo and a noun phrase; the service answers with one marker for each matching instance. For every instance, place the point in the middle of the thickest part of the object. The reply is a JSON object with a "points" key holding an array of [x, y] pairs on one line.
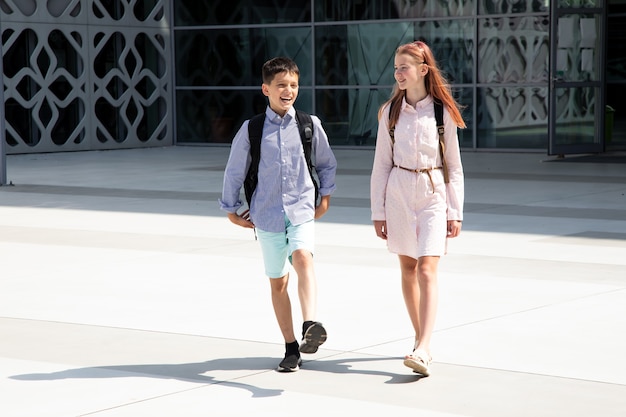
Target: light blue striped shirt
{"points": [[285, 187]]}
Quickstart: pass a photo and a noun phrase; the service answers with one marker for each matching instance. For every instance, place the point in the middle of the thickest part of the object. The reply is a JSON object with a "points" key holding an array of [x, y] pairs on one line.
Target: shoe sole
{"points": [[417, 367], [283, 369], [313, 338]]}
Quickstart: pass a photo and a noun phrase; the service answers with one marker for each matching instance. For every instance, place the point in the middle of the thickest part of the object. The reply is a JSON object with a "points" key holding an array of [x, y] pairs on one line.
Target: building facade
{"points": [[86, 74], [108, 74]]}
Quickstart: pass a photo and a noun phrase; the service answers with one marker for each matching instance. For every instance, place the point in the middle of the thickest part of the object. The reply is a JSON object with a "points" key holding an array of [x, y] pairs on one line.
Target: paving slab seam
{"points": [[536, 308], [145, 400]]}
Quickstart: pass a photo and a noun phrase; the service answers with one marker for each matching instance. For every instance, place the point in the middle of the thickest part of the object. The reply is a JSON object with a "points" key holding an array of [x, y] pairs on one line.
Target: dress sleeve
{"points": [[383, 163], [455, 190]]}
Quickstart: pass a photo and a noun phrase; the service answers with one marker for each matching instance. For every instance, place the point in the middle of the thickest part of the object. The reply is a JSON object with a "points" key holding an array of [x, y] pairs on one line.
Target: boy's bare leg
{"points": [[302, 261], [282, 307], [313, 333]]}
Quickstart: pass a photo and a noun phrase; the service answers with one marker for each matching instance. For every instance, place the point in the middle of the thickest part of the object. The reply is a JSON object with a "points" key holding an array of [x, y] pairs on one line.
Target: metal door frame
{"points": [[557, 82]]}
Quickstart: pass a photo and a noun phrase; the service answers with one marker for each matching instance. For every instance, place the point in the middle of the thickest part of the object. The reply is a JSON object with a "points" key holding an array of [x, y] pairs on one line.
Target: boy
{"points": [[283, 207]]}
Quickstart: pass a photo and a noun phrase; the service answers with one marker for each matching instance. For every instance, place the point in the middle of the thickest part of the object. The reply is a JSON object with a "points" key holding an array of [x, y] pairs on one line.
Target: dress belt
{"points": [[421, 171]]}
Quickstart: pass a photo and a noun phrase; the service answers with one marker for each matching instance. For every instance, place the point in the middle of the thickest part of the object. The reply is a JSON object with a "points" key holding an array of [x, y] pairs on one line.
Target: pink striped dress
{"points": [[416, 205]]}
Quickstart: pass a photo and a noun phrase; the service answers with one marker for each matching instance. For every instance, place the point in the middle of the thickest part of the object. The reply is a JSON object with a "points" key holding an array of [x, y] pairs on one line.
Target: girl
{"points": [[414, 208]]}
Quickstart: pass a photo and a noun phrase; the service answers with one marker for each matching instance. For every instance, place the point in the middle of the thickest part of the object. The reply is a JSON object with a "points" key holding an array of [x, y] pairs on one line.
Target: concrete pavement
{"points": [[124, 291]]}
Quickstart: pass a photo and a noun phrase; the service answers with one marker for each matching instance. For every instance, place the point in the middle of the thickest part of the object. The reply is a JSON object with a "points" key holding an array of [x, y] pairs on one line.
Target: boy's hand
{"points": [[323, 207], [242, 219]]}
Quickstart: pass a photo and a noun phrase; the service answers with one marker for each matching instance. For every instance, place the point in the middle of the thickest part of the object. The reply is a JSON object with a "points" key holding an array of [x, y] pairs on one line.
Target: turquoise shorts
{"points": [[278, 247]]}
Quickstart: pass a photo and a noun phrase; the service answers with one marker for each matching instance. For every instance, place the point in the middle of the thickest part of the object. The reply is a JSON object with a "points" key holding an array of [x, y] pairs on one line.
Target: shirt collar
{"points": [[428, 100], [273, 117]]}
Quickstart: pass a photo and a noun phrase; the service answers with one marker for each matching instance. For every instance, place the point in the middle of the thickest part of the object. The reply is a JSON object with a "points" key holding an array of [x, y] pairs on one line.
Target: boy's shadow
{"points": [[188, 372], [196, 372]]}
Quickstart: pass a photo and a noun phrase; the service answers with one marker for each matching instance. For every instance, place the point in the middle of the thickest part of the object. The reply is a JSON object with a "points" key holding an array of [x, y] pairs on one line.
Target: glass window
{"points": [[577, 56], [363, 54], [579, 3], [350, 116], [234, 57], [512, 117], [238, 12], [453, 46], [464, 96], [333, 10], [576, 115], [215, 116], [513, 49], [616, 49], [513, 6]]}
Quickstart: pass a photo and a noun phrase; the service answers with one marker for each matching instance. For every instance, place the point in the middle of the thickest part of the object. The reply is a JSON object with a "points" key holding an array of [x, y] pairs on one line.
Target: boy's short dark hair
{"points": [[276, 66]]}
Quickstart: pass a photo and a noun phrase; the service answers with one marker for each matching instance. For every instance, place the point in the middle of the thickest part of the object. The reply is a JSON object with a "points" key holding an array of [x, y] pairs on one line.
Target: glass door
{"points": [[577, 77]]}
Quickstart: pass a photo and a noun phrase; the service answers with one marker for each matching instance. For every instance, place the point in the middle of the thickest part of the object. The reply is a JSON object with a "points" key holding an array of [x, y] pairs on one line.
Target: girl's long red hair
{"points": [[436, 85]]}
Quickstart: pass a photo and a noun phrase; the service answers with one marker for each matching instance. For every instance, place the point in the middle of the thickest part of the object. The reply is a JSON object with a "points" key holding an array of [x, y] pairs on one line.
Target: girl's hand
{"points": [[381, 229], [454, 228]]}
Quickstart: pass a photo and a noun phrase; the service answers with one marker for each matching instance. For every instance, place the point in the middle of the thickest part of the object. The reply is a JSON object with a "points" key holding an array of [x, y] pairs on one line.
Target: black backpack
{"points": [[442, 146], [255, 133]]}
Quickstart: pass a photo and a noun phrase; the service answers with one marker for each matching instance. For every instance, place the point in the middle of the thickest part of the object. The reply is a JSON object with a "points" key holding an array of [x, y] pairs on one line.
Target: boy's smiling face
{"points": [[282, 92]]}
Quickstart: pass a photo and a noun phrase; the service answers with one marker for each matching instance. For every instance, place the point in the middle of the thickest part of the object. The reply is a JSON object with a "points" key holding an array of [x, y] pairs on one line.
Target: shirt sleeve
{"points": [[455, 189], [325, 162], [236, 169], [383, 164]]}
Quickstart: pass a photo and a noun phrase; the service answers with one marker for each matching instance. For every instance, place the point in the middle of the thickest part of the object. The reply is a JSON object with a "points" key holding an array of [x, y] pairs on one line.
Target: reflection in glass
{"points": [[234, 57], [577, 56], [513, 6], [215, 116], [360, 54], [465, 98], [513, 49], [345, 58], [344, 53], [616, 49], [350, 116], [576, 115], [350, 10], [512, 117], [239, 12], [580, 3], [452, 43]]}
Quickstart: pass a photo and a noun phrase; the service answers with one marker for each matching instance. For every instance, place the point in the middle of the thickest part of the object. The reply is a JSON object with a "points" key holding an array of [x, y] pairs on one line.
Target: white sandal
{"points": [[419, 361]]}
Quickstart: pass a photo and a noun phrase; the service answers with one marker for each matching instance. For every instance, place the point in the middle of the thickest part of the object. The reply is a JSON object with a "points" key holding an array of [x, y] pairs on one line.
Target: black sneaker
{"points": [[291, 363], [313, 337]]}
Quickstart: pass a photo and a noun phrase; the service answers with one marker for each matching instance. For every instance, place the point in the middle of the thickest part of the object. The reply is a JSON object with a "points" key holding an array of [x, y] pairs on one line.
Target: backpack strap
{"points": [[392, 130], [440, 130], [442, 144], [305, 126], [255, 132]]}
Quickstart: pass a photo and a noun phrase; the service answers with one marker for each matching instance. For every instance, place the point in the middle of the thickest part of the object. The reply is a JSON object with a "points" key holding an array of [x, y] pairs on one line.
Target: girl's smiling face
{"points": [[282, 92], [407, 72]]}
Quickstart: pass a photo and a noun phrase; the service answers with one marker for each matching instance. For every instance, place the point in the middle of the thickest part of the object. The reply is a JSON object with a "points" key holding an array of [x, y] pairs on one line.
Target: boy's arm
{"points": [[322, 207], [234, 175], [242, 219], [325, 163]]}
